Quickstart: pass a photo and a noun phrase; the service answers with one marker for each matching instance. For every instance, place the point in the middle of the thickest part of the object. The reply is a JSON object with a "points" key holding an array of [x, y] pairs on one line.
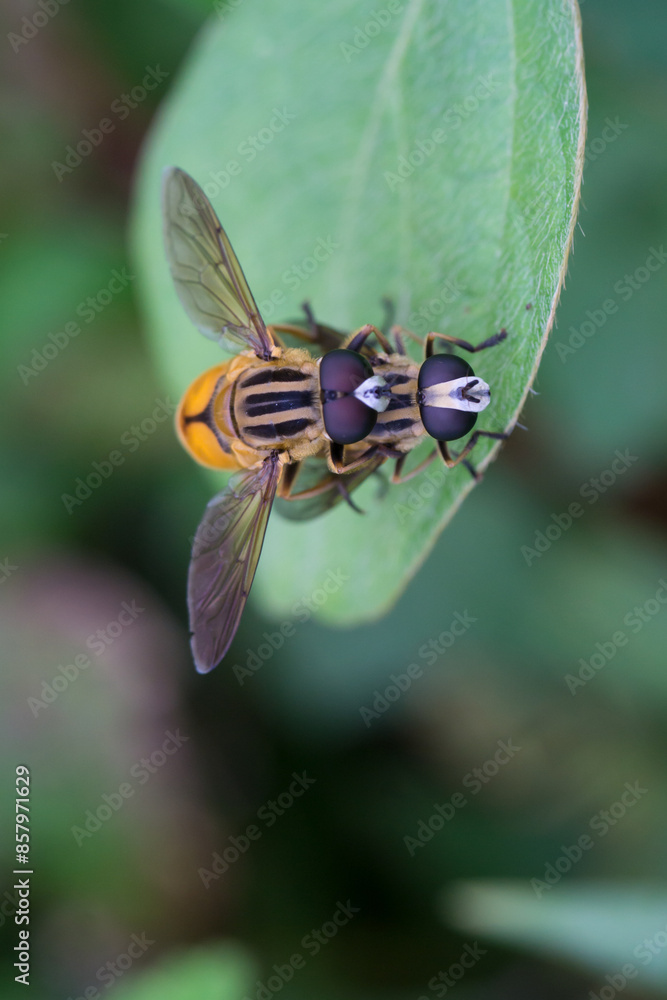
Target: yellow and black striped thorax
{"points": [[401, 421], [276, 405]]}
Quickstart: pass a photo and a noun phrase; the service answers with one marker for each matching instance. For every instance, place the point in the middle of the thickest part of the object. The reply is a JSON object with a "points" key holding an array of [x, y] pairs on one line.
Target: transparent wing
{"points": [[208, 277], [224, 559]]}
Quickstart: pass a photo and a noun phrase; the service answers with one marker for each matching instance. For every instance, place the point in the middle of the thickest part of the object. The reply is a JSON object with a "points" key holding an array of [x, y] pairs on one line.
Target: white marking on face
{"points": [[368, 393]]}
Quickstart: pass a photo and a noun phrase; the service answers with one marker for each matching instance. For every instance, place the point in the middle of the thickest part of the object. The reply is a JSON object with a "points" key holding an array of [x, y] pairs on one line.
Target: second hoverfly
{"points": [[267, 410]]}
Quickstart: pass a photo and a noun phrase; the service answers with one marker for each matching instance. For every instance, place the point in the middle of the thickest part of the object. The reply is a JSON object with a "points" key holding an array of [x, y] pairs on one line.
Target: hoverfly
{"points": [[438, 398], [270, 409]]}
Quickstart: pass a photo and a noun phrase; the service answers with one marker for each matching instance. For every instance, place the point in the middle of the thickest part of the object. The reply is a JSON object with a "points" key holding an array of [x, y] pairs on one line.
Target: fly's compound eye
{"points": [[449, 396], [443, 368], [351, 396]]}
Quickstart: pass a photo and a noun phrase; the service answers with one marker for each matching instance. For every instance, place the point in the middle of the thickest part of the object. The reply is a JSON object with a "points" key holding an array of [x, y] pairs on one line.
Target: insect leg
{"points": [[332, 483], [314, 491], [321, 334], [451, 462], [397, 478], [400, 332], [463, 344], [323, 337], [359, 338], [337, 463], [389, 314], [345, 493], [308, 335], [398, 340], [290, 472], [310, 316]]}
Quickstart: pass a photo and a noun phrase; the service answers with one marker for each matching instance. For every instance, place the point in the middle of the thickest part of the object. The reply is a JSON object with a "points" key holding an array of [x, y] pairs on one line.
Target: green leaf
{"points": [[299, 121], [601, 925], [214, 972]]}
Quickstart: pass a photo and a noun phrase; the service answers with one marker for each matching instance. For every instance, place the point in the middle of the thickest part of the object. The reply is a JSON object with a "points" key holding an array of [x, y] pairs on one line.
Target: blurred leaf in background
{"points": [[216, 973], [536, 622]]}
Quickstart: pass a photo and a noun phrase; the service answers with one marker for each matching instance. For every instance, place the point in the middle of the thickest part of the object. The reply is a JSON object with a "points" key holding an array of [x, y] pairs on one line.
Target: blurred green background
{"points": [[99, 697]]}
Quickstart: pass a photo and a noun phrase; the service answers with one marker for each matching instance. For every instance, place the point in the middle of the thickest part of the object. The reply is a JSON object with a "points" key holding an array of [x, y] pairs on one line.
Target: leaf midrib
{"points": [[384, 91]]}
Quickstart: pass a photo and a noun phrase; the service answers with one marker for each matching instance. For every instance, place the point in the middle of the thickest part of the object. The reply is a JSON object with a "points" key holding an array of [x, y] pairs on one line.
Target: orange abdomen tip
{"points": [[203, 423]]}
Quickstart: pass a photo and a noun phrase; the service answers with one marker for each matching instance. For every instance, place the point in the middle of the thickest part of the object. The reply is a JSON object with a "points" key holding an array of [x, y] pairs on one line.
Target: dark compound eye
{"points": [[443, 368], [445, 423], [343, 371], [346, 419]]}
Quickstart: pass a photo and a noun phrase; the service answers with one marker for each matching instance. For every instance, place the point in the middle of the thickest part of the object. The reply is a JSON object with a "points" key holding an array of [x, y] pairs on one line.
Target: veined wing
{"points": [[224, 559], [208, 277]]}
